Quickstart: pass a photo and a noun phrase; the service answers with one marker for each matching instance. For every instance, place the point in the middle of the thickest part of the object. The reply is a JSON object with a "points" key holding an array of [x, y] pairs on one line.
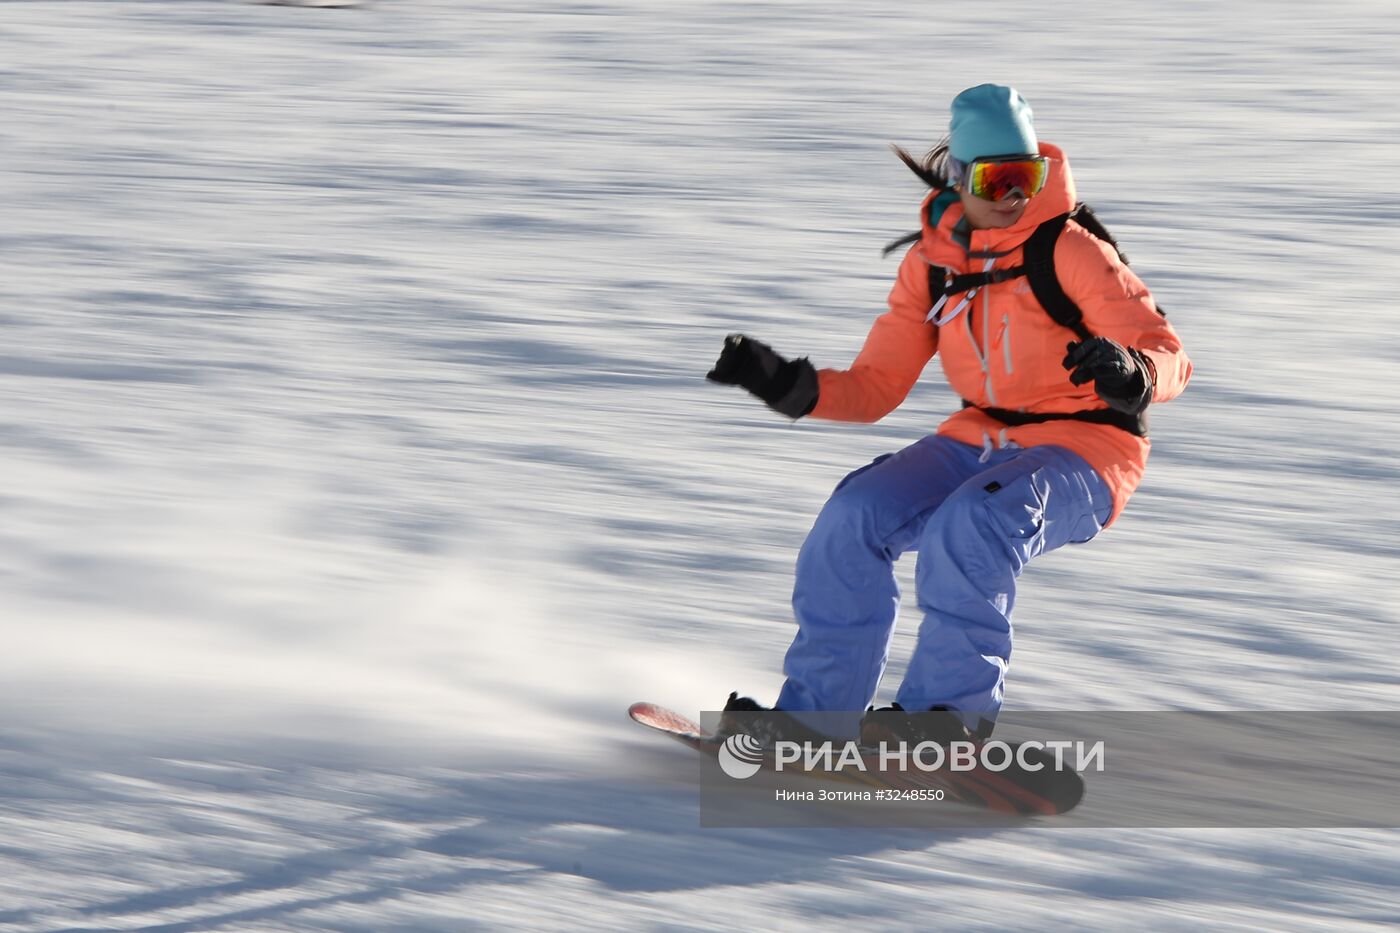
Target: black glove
{"points": [[1122, 377], [789, 387]]}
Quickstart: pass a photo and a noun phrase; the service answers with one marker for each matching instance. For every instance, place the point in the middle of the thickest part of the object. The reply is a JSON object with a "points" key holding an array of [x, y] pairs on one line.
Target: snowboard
{"points": [[1013, 790]]}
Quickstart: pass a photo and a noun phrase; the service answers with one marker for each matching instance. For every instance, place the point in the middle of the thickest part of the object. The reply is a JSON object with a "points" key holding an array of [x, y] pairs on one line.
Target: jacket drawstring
{"points": [[1003, 442]]}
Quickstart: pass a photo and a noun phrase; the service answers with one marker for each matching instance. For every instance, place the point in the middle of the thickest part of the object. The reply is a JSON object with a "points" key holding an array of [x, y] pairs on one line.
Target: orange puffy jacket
{"points": [[1003, 350]]}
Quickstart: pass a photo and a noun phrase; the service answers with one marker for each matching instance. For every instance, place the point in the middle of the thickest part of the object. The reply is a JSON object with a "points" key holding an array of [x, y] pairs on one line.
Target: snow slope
{"points": [[359, 469]]}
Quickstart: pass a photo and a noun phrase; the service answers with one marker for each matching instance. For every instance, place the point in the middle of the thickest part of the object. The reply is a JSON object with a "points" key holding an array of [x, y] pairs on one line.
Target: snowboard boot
{"points": [[940, 725], [768, 726]]}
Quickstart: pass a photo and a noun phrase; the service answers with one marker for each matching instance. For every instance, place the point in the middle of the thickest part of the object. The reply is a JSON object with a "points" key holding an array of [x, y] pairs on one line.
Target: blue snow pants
{"points": [[976, 518]]}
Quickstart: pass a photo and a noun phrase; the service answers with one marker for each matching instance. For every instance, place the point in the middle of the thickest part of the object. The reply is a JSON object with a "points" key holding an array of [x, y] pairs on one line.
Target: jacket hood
{"points": [[1057, 197]]}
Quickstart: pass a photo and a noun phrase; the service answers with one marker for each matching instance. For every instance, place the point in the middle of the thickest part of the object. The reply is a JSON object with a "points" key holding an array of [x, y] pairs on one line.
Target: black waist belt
{"points": [[1133, 424]]}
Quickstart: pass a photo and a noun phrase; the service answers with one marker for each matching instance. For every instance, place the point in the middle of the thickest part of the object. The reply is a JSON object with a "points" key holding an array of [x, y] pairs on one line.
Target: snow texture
{"points": [[359, 468]]}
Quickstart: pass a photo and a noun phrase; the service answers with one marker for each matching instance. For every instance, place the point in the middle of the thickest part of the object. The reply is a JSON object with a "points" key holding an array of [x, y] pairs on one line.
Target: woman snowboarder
{"points": [[1057, 349]]}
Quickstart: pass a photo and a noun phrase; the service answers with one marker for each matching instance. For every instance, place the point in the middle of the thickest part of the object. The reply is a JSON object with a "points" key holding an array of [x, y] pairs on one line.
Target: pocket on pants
{"points": [[1090, 523], [1018, 508], [854, 473]]}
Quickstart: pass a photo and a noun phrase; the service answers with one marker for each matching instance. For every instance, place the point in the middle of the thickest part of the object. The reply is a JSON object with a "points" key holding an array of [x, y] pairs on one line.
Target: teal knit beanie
{"points": [[990, 120]]}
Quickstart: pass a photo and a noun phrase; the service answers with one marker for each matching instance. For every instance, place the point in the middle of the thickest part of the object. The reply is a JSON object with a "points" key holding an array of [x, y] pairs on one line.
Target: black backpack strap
{"points": [[1084, 215], [1039, 255], [941, 283], [1133, 424], [1038, 266], [937, 283], [1047, 287]]}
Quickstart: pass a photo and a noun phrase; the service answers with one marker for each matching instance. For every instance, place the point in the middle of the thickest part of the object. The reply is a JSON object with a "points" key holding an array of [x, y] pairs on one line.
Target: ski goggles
{"points": [[1001, 177]]}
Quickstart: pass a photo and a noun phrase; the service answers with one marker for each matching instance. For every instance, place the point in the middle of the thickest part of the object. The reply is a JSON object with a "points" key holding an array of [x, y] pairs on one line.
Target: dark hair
{"points": [[932, 168]]}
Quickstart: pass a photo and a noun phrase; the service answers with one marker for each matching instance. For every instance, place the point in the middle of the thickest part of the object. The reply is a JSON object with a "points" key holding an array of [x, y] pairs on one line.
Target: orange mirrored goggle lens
{"points": [[993, 180]]}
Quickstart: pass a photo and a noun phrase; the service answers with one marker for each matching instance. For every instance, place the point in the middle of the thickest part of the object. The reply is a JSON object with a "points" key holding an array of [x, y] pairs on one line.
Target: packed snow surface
{"points": [[360, 469]]}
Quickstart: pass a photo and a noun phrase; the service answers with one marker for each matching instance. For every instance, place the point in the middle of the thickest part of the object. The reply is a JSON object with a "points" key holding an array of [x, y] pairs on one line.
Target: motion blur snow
{"points": [[360, 468]]}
